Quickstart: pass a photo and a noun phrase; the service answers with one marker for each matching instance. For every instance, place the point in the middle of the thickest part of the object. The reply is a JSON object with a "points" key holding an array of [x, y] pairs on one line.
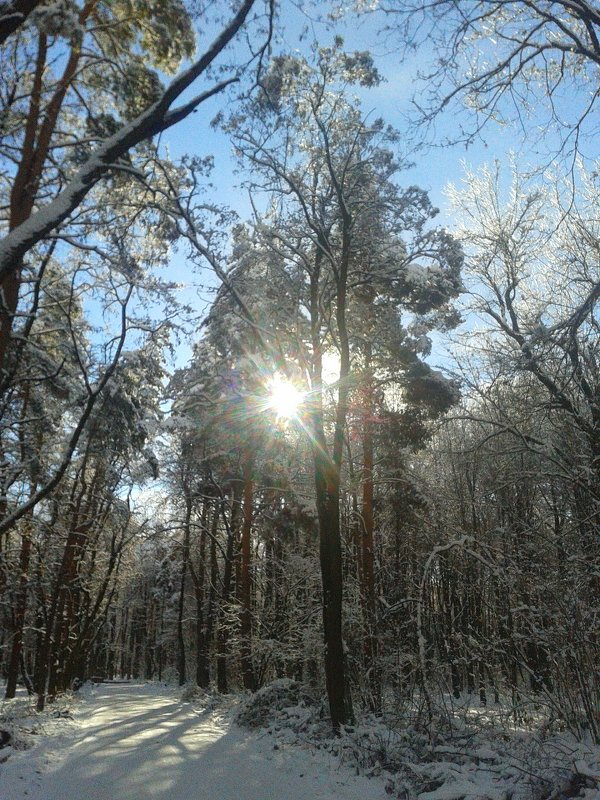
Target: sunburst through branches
{"points": [[285, 399]]}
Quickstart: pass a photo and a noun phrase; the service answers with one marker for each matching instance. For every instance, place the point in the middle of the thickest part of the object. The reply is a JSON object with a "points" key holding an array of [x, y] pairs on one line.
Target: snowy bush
{"points": [[19, 718], [459, 759], [203, 700], [87, 690], [471, 764], [191, 692], [282, 699]]}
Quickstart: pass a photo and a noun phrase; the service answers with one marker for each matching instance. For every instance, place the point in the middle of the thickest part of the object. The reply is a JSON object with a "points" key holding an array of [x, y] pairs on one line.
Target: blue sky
{"points": [[433, 170], [390, 100]]}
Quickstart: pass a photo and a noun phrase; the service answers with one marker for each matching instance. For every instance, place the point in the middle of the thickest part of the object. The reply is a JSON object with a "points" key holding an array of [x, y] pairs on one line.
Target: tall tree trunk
{"points": [[368, 566], [327, 486], [327, 470], [245, 589], [369, 597], [213, 578], [19, 613], [185, 557], [222, 627], [198, 575]]}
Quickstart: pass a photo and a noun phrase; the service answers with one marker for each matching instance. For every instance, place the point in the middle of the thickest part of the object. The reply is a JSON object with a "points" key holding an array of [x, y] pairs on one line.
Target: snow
{"points": [[417, 274], [141, 742], [136, 741], [59, 18], [476, 757], [583, 769]]}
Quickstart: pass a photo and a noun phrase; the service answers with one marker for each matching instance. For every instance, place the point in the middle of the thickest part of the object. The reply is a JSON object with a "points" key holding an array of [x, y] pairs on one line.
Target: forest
{"points": [[375, 469]]}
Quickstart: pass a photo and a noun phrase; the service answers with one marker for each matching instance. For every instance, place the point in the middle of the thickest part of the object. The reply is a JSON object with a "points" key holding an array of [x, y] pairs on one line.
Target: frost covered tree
{"points": [[227, 441], [57, 111], [325, 169], [532, 65], [520, 461], [82, 528], [534, 285], [70, 121]]}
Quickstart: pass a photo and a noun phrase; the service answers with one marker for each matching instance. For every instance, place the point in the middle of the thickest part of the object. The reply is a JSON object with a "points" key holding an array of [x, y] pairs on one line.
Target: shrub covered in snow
{"points": [[191, 692], [204, 700], [282, 700], [464, 760], [20, 720]]}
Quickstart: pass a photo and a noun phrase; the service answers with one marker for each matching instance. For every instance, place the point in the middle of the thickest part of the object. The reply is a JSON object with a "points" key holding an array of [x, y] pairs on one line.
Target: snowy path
{"points": [[134, 742]]}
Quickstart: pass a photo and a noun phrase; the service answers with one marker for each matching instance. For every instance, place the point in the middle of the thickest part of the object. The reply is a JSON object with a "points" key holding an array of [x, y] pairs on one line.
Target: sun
{"points": [[284, 398]]}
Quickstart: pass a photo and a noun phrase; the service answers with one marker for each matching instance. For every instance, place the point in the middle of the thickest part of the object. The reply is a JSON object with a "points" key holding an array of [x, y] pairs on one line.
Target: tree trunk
{"points": [[214, 577], [185, 556], [327, 489], [368, 525], [327, 485], [222, 629], [245, 589], [19, 614], [198, 576]]}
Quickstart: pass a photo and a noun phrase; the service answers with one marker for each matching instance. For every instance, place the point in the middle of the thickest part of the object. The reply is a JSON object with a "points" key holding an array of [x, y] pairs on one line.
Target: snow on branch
{"points": [[157, 118]]}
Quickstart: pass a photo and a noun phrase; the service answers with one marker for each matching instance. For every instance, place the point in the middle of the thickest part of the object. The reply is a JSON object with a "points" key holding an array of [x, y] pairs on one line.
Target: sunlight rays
{"points": [[285, 399]]}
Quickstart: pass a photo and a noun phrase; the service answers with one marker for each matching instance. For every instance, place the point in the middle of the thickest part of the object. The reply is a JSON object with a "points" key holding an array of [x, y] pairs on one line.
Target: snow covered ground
{"points": [[140, 742], [468, 753], [135, 741]]}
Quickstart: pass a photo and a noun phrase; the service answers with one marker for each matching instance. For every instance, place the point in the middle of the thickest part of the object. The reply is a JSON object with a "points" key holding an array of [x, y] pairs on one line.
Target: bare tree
{"points": [[530, 62]]}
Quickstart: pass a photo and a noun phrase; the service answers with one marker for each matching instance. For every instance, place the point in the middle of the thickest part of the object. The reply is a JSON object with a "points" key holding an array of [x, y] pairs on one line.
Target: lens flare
{"points": [[284, 398]]}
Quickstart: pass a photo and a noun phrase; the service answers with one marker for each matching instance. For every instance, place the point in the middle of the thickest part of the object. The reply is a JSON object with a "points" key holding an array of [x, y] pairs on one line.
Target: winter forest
{"points": [[271, 421]]}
